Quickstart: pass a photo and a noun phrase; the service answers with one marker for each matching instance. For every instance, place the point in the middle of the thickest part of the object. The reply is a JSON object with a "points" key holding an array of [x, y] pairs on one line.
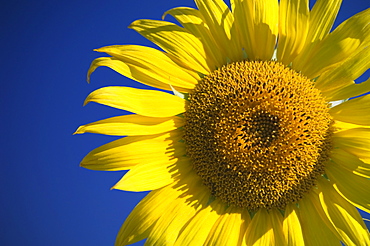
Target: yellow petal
{"points": [[143, 102], [128, 70], [127, 152], [196, 231], [142, 218], [344, 73], [351, 35], [150, 65], [257, 23], [229, 229], [132, 125], [342, 126], [220, 22], [351, 90], [147, 217], [315, 223], [185, 47], [188, 202], [321, 20], [355, 111], [265, 229], [293, 28], [344, 216], [153, 174], [277, 225], [193, 21], [353, 188], [292, 226], [350, 162], [355, 141]]}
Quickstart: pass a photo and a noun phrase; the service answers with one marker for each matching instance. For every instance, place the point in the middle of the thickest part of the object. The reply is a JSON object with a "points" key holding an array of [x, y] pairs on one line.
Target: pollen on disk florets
{"points": [[258, 134]]}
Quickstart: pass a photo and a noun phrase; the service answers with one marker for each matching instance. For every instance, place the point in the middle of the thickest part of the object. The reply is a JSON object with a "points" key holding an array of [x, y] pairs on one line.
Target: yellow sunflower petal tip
{"points": [[86, 102], [80, 130]]}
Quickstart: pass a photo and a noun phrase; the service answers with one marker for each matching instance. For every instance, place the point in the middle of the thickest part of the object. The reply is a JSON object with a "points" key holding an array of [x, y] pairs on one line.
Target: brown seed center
{"points": [[258, 134]]}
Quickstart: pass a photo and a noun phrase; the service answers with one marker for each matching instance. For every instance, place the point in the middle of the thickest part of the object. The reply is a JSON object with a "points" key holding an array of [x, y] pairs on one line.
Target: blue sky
{"points": [[46, 198]]}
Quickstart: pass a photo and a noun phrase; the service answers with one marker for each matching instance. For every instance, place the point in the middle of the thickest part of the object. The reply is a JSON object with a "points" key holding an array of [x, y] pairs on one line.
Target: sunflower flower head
{"points": [[247, 146]]}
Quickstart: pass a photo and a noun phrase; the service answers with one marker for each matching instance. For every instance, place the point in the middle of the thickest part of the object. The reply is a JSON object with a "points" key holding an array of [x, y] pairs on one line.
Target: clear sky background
{"points": [[45, 197]]}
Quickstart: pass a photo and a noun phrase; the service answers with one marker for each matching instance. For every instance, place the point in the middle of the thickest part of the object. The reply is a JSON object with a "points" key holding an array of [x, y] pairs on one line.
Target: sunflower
{"points": [[249, 137]]}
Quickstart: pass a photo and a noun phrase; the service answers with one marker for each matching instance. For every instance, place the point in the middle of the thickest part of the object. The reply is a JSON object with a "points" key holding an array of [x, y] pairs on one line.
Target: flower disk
{"points": [[258, 134]]}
